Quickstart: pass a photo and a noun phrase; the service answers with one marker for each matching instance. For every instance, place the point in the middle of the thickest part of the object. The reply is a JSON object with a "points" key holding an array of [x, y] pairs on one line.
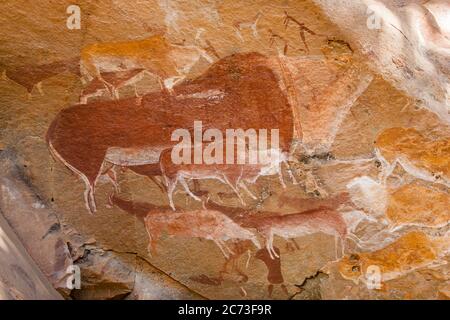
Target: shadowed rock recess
{"points": [[343, 105]]}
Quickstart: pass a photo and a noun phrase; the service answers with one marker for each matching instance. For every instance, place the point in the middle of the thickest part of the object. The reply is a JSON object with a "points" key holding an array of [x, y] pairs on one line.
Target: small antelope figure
{"points": [[234, 175], [205, 224], [169, 62], [250, 24], [294, 225]]}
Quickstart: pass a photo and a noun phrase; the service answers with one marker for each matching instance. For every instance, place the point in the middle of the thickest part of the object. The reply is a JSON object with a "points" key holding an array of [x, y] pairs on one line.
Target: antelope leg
{"points": [[244, 186], [186, 187]]}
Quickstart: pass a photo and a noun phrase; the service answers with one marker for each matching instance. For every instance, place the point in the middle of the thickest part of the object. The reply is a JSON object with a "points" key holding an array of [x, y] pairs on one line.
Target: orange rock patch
{"points": [[412, 251], [423, 152], [417, 204]]}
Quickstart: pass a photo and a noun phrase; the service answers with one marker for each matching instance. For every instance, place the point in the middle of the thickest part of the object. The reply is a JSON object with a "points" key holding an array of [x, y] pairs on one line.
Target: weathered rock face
{"points": [[407, 42], [20, 277], [59, 250], [353, 203]]}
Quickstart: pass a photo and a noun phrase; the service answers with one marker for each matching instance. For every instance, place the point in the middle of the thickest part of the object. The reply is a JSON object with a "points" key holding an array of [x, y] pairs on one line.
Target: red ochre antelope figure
{"points": [[290, 226], [206, 224], [234, 175]]}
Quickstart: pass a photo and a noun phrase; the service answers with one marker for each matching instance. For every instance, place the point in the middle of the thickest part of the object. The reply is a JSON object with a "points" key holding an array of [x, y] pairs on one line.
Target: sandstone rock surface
{"points": [[355, 207]]}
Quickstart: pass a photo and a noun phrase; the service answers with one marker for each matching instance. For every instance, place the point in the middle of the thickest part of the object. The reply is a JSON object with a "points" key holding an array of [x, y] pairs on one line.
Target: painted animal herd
{"points": [[246, 91]]}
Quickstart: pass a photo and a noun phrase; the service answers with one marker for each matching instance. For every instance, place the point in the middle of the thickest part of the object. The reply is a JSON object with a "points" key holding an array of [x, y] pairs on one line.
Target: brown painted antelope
{"points": [[238, 247], [229, 174], [273, 265], [420, 156], [133, 132], [234, 175], [206, 224], [291, 226]]}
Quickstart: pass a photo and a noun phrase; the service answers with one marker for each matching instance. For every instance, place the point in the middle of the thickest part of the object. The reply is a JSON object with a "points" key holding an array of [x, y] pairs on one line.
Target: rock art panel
{"points": [[228, 150]]}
